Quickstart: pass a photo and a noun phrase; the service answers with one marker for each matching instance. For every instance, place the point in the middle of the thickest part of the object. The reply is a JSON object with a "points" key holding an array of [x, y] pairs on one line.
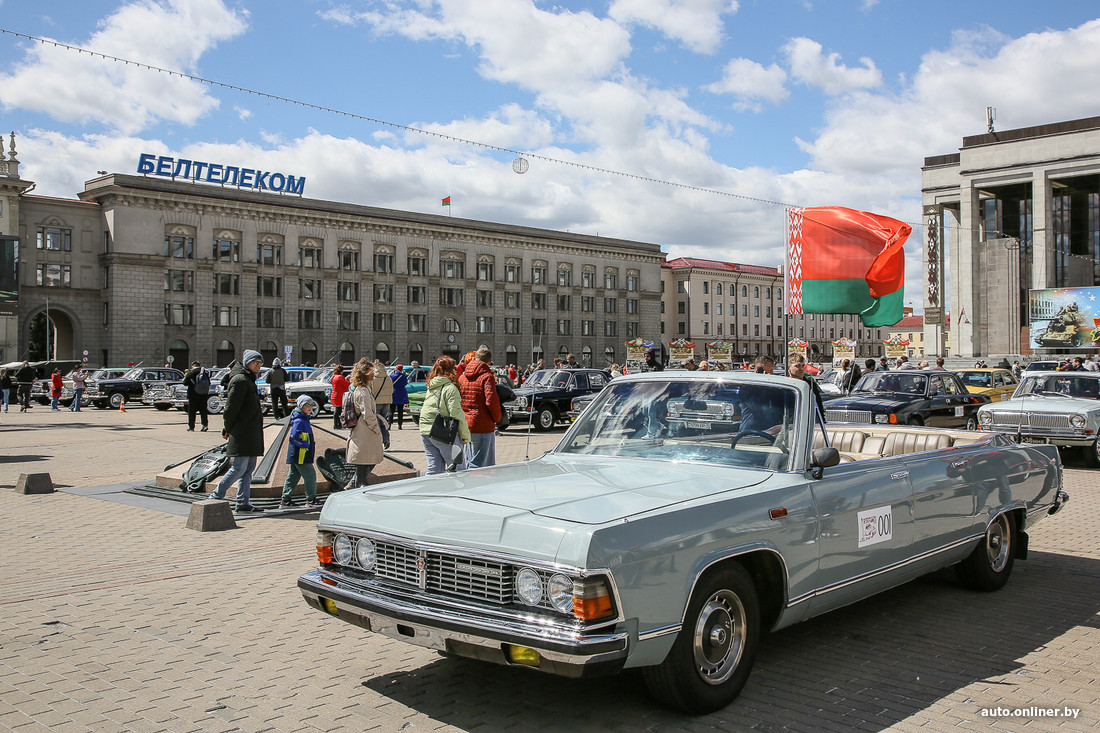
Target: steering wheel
{"points": [[759, 433]]}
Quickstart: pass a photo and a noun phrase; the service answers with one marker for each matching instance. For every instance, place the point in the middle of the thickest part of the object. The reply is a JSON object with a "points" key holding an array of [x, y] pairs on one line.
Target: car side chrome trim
{"points": [[658, 632], [874, 573]]}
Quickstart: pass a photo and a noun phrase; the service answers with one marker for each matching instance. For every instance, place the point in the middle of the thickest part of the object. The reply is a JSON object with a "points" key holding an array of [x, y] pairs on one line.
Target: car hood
{"points": [[1046, 404], [509, 504], [874, 403], [540, 389]]}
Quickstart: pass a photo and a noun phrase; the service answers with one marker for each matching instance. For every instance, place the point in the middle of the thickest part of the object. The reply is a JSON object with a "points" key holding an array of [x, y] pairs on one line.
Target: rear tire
{"points": [[713, 654], [987, 568], [971, 423]]}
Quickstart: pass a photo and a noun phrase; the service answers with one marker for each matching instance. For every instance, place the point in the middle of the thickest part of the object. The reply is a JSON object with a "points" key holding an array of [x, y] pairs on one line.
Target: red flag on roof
{"points": [[447, 201]]}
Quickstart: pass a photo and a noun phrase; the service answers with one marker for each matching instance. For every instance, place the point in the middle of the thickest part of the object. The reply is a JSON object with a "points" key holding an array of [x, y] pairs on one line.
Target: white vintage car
{"points": [[1059, 408]]}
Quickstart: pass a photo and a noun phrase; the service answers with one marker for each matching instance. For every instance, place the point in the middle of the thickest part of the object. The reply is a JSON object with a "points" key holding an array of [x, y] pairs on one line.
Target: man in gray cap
{"points": [[244, 430]]}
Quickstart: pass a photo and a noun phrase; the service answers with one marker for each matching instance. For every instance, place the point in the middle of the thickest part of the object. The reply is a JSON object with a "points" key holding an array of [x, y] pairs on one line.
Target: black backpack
{"points": [[202, 382]]}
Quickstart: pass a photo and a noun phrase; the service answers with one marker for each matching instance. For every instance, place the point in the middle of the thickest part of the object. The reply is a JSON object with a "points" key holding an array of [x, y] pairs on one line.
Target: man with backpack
{"points": [[198, 392]]}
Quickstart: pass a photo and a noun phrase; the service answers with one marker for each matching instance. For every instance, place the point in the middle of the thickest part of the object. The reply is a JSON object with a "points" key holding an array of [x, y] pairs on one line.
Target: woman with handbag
{"points": [[443, 426], [365, 442]]}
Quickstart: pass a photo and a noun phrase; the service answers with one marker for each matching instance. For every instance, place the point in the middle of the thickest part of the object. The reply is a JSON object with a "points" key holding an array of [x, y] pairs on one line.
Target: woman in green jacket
{"points": [[443, 398]]}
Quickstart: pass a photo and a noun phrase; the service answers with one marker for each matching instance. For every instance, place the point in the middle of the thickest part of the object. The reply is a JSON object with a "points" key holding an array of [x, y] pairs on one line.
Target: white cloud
{"points": [[171, 34], [810, 66], [1038, 78], [697, 24], [751, 83], [518, 42], [242, 113]]}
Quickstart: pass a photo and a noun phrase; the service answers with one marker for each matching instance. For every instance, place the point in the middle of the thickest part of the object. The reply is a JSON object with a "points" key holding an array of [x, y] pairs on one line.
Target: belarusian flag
{"points": [[845, 261], [447, 201]]}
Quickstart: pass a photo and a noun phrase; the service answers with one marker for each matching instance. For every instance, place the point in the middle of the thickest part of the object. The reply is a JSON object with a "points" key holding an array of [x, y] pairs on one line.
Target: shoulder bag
{"points": [[445, 427]]}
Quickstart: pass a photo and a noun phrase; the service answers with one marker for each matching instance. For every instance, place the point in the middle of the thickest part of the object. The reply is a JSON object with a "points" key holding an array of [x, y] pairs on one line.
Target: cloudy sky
{"points": [[740, 102]]}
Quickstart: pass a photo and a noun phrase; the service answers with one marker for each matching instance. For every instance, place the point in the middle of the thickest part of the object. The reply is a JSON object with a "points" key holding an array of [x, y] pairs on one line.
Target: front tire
{"points": [[1092, 454], [214, 405], [971, 423], [713, 654], [545, 419], [116, 399], [987, 568]]}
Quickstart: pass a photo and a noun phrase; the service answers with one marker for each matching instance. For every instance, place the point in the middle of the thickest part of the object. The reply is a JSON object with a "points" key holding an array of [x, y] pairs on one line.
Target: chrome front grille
{"points": [[1030, 420], [456, 575], [396, 562], [857, 416], [471, 578]]}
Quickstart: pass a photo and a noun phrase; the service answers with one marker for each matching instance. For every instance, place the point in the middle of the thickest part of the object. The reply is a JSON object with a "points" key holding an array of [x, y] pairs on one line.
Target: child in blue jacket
{"points": [[299, 454]]}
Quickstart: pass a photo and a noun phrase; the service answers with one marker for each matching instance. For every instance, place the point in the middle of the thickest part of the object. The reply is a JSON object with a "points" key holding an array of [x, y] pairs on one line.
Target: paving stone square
{"points": [[115, 617]]}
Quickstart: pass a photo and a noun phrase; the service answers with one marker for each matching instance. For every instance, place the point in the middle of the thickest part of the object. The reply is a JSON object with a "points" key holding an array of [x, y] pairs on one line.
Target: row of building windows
{"points": [[681, 287], [224, 284], [450, 265], [183, 314]]}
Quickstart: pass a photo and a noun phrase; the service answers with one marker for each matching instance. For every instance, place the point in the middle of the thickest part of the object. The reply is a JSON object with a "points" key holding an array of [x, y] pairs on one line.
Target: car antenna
{"points": [[531, 421]]}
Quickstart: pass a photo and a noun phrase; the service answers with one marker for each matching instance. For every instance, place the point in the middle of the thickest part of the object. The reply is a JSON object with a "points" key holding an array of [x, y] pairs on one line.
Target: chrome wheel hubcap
{"points": [[997, 543], [719, 637]]}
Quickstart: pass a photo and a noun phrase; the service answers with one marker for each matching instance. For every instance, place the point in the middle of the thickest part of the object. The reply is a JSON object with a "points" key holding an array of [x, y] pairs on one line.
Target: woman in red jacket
{"points": [[55, 389], [481, 405], [340, 386]]}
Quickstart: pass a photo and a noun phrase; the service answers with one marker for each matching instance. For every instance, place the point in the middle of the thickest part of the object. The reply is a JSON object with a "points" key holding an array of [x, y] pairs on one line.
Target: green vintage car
{"points": [[647, 541]]}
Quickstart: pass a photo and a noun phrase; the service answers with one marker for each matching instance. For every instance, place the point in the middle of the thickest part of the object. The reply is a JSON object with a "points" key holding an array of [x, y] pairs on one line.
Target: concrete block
{"points": [[210, 515], [34, 483]]}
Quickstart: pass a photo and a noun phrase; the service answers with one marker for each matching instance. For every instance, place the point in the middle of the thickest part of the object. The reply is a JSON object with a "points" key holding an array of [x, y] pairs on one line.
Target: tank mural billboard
{"points": [[1065, 318]]}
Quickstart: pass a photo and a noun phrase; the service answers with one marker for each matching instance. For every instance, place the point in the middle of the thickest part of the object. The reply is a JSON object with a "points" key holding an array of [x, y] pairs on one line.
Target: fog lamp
{"points": [[522, 655]]}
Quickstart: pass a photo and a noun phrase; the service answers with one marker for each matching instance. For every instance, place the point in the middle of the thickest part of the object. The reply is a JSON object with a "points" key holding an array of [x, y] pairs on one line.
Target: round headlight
{"points": [[1077, 421], [529, 586], [560, 592], [727, 410], [521, 401], [364, 553], [341, 549], [985, 417]]}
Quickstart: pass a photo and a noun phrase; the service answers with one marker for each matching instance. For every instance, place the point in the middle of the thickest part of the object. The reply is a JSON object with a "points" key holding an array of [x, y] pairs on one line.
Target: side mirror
{"points": [[823, 458]]}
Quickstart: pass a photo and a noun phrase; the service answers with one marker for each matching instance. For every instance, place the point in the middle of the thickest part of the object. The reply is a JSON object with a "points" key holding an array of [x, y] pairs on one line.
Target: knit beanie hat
{"points": [[251, 356], [302, 401]]}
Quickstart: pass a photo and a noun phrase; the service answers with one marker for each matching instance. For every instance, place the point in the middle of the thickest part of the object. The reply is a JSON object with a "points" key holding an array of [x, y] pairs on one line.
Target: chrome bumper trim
{"points": [[431, 627]]}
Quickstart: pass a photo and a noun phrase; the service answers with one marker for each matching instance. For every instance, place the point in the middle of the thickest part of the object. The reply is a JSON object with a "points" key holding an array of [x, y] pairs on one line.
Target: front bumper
{"points": [[566, 652], [1066, 441]]}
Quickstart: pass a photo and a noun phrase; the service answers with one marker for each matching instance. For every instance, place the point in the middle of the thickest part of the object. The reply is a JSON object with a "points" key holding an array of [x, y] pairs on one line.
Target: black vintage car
{"points": [[546, 395], [129, 387], [908, 397]]}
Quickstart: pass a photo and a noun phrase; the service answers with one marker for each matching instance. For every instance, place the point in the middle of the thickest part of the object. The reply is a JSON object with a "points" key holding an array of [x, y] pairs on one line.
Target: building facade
{"points": [[147, 269], [1010, 212], [708, 300], [12, 188]]}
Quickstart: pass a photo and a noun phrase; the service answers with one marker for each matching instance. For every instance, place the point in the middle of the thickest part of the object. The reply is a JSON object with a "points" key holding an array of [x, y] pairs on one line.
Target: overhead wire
{"points": [[406, 128]]}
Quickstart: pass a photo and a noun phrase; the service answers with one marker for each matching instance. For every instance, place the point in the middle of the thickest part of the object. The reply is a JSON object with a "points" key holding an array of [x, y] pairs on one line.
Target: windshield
{"points": [[1040, 366], [976, 379], [322, 374], [898, 382], [1063, 385], [719, 422], [548, 378]]}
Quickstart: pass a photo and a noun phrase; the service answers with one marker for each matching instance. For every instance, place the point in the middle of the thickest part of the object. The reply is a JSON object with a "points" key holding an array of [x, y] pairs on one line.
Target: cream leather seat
{"points": [[899, 443]]}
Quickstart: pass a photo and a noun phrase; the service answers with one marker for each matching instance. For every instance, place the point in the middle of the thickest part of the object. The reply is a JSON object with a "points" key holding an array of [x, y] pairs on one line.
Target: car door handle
{"points": [[959, 464]]}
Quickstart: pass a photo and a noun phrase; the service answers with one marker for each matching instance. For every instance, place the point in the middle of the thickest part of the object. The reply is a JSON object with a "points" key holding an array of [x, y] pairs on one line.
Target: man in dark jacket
{"points": [[198, 386], [276, 381], [652, 362], [25, 377], [244, 430]]}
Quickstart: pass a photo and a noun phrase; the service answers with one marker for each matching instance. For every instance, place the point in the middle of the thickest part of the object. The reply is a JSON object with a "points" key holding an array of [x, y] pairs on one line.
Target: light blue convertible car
{"points": [[652, 540]]}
